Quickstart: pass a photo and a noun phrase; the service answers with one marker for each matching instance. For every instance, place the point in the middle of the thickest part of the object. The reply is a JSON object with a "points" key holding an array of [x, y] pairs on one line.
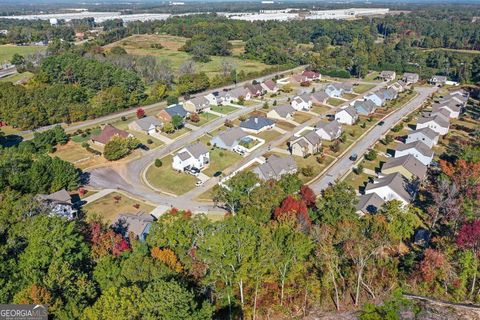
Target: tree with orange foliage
{"points": [[434, 268], [294, 209], [168, 257], [105, 242]]}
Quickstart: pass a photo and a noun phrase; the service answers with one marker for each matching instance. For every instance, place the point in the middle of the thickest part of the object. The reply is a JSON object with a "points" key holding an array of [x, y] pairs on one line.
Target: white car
{"points": [[199, 183]]}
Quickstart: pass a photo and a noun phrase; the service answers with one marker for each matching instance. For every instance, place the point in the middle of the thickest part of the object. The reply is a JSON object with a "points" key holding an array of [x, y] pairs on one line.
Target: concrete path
{"points": [[162, 138], [191, 126], [218, 114], [100, 194]]}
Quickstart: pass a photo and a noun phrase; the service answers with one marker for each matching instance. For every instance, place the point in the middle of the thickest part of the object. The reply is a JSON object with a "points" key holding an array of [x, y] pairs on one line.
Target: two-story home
{"points": [[302, 102], [407, 165], [193, 156], [418, 149], [148, 125], [334, 90], [376, 98], [137, 224], [197, 105], [329, 130], [425, 135], [238, 93], [309, 143], [256, 124], [438, 80], [399, 86], [229, 139], [392, 187], [388, 75], [319, 97], [168, 113], [436, 122], [347, 115], [282, 112], [410, 78], [275, 167], [365, 107]]}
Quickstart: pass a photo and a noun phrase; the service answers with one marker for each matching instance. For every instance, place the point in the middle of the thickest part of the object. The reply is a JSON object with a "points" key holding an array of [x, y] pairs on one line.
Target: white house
{"points": [[375, 98], [302, 102], [334, 90], [425, 135], [392, 187], [347, 115], [58, 204], [410, 78], [418, 149], [438, 80], [388, 75], [193, 156], [436, 122], [329, 130]]}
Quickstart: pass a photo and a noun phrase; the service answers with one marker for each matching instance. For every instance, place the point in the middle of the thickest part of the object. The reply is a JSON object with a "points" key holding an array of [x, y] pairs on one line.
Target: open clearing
{"points": [[8, 50], [142, 45], [169, 180]]}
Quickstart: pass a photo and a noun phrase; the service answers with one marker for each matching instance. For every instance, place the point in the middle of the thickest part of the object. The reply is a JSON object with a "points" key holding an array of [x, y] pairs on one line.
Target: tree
{"points": [[115, 303], [236, 189], [402, 223], [194, 117], [18, 60], [293, 209], [371, 155], [338, 202], [168, 127], [468, 238], [119, 147], [140, 113]]}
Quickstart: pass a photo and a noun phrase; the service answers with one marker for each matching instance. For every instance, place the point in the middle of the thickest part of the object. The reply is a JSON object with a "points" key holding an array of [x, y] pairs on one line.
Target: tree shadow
{"points": [[11, 140]]}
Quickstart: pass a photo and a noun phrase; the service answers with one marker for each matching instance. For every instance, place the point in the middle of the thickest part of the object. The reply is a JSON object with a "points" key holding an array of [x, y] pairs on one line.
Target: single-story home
{"points": [[58, 204], [299, 78], [108, 132], [193, 156], [275, 167], [282, 112], [237, 93], [409, 166], [410, 78], [305, 145], [270, 86], [418, 149], [438, 80], [197, 105], [256, 90], [257, 124], [302, 102], [392, 187], [347, 115], [365, 107], [213, 99], [169, 112], [319, 97], [223, 97], [148, 125], [436, 122], [229, 139], [388, 75], [399, 86], [311, 75], [334, 90], [426, 135], [376, 98], [137, 224], [329, 130], [369, 204]]}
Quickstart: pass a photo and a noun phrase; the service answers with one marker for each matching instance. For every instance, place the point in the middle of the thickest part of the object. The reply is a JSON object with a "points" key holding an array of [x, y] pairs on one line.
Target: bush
{"points": [[397, 128], [119, 147], [359, 169], [194, 117], [388, 139], [158, 163], [156, 46], [335, 147], [123, 118], [265, 105], [371, 155], [228, 123], [307, 171], [149, 141], [85, 145]]}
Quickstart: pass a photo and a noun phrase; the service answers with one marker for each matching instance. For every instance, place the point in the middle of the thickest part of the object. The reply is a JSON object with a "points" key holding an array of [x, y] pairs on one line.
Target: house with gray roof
{"points": [[137, 224], [237, 93], [410, 78], [365, 107], [169, 112], [347, 115], [256, 124], [197, 105], [309, 143], [319, 97], [387, 75], [392, 187], [149, 125], [329, 130], [426, 135], [436, 122], [193, 156], [376, 97], [369, 204], [407, 165], [58, 204], [275, 167], [399, 86], [334, 90], [229, 139], [438, 80], [282, 112], [302, 102], [418, 149]]}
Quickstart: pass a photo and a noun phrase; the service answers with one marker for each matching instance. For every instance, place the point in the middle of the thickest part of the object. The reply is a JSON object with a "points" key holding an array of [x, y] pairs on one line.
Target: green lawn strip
{"points": [[7, 51], [220, 160], [363, 87], [301, 117], [79, 138], [169, 180], [269, 135], [177, 133], [17, 77], [205, 118], [349, 96], [226, 109], [335, 102]]}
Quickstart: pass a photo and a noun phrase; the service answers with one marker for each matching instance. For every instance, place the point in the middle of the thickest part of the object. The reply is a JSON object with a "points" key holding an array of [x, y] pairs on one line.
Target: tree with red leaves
{"points": [[434, 267], [295, 209], [308, 196], [468, 238], [140, 113], [106, 241]]}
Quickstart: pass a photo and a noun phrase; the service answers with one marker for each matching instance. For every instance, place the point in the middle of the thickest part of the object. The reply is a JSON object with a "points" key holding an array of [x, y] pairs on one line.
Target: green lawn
{"points": [[349, 96], [177, 133], [301, 117], [17, 77], [224, 109], [220, 160], [334, 102], [363, 87], [7, 51], [205, 118], [79, 138], [320, 109], [169, 180], [269, 135]]}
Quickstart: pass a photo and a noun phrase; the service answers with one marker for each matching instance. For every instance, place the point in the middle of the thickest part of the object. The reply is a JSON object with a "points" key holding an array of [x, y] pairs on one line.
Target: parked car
{"points": [[193, 171], [199, 183], [217, 174], [353, 157], [381, 123]]}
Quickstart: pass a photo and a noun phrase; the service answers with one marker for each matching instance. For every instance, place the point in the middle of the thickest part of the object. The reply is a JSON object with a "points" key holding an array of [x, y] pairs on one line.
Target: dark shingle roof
{"points": [[108, 132], [256, 123], [176, 109], [369, 203]]}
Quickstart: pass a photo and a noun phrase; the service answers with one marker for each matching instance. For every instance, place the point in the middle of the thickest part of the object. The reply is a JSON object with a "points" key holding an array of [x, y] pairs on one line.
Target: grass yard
{"points": [[334, 102], [79, 138], [310, 161], [205, 118], [269, 135], [169, 180], [220, 160], [78, 156], [320, 109], [301, 117], [177, 133], [349, 96], [110, 206], [8, 50], [225, 109], [18, 77], [363, 87], [141, 45], [372, 76], [285, 125]]}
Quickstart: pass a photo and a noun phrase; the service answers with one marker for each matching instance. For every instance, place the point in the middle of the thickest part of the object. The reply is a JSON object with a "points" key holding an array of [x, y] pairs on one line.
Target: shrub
{"points": [[228, 123], [85, 145], [194, 117], [265, 105], [371, 155], [119, 147], [149, 141], [156, 46], [397, 128], [307, 171], [359, 169], [123, 118], [158, 163], [335, 147]]}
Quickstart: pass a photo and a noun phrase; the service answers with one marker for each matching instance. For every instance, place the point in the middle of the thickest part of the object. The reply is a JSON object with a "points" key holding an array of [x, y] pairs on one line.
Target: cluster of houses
{"points": [[400, 175]]}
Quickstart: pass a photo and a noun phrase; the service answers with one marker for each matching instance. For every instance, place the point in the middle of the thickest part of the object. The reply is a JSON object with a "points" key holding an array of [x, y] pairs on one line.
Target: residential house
{"points": [[311, 75], [438, 80], [229, 139], [410, 78], [213, 99], [256, 90], [399, 86], [282, 112], [426, 135], [58, 204], [270, 86], [392, 187], [197, 105], [238, 93], [409, 166], [305, 145], [451, 106], [365, 107], [299, 78], [442, 113], [376, 98], [346, 87], [275, 167], [302, 102], [436, 122], [137, 224], [347, 115], [387, 94], [329, 130], [108, 133], [193, 156], [388, 75], [334, 90], [369, 204], [319, 97], [223, 97], [418, 149], [257, 124], [149, 125], [168, 113]]}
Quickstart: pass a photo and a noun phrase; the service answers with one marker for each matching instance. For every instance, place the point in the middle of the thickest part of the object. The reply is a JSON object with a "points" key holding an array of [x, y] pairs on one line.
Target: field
{"points": [[110, 206], [363, 87], [141, 45], [335, 102], [7, 51]]}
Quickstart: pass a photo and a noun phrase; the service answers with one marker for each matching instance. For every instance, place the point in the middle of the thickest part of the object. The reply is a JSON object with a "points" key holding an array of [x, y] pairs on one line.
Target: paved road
{"points": [[344, 164]]}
